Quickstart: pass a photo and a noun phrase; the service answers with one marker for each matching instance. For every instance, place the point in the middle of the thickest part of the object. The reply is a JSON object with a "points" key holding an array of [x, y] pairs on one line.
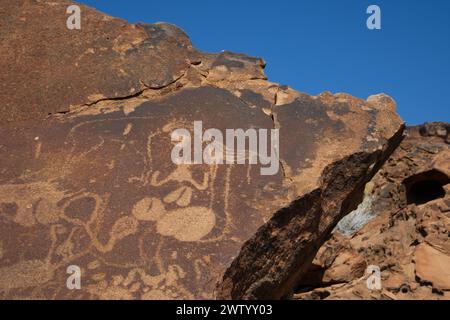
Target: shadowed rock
{"points": [[96, 187], [405, 229]]}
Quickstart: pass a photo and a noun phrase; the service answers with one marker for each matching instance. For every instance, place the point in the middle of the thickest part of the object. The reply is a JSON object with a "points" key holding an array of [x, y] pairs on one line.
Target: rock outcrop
{"points": [[403, 227], [87, 177]]}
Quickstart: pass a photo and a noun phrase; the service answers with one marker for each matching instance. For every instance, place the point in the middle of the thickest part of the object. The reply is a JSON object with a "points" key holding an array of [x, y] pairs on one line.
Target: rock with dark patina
{"points": [[94, 184]]}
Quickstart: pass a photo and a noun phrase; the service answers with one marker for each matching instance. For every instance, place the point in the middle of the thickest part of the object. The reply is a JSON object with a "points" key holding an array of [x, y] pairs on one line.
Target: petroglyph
{"points": [[95, 186], [92, 217], [31, 203], [187, 224], [25, 274], [149, 209]]}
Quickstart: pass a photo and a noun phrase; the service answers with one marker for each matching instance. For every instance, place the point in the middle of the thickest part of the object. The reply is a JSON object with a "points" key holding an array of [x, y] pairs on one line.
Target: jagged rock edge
{"points": [[242, 280]]}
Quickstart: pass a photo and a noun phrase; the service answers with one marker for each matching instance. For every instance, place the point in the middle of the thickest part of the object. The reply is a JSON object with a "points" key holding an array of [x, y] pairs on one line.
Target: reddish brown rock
{"points": [[403, 228], [432, 265], [47, 68], [95, 185]]}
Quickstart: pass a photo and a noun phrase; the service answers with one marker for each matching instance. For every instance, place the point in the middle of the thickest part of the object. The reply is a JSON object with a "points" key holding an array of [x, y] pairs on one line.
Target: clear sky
{"points": [[324, 45]]}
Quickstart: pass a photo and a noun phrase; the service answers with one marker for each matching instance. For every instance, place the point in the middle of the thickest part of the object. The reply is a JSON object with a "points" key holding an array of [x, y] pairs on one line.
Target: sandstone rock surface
{"points": [[405, 232], [86, 176]]}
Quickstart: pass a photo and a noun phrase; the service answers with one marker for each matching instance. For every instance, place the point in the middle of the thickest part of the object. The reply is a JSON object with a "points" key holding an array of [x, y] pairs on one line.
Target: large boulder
{"points": [[95, 184]]}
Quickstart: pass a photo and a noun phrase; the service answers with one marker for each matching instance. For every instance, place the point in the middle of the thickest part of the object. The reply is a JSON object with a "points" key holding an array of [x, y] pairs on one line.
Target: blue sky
{"points": [[324, 45]]}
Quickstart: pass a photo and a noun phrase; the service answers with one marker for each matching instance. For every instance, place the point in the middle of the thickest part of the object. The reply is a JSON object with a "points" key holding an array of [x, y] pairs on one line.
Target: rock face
{"points": [[88, 180], [403, 228], [47, 68]]}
